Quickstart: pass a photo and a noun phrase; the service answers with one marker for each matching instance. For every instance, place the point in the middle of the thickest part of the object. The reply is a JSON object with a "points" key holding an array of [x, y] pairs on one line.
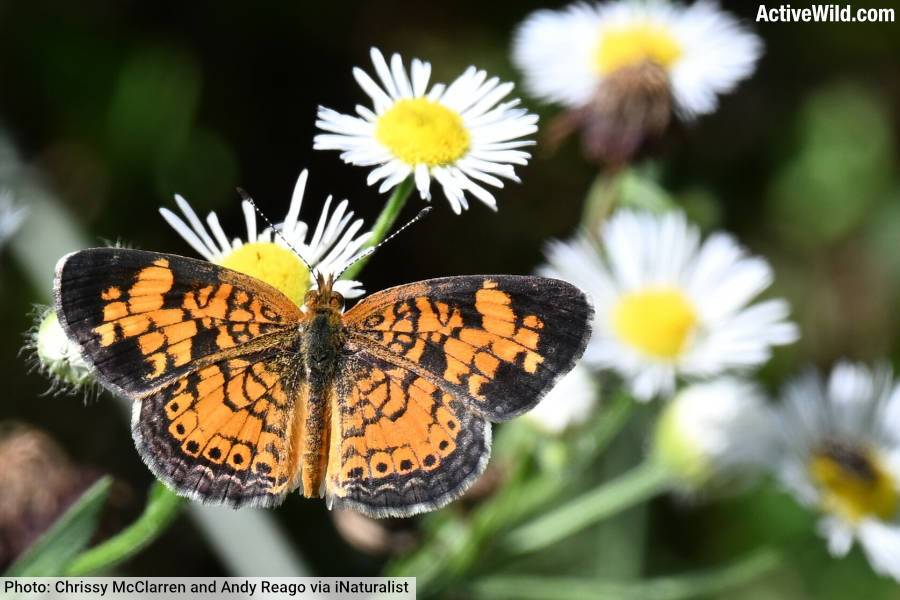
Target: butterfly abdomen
{"points": [[323, 340]]}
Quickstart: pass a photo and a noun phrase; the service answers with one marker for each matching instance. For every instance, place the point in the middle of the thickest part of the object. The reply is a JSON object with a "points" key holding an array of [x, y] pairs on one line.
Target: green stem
{"points": [[601, 200], [541, 491], [162, 508], [638, 485], [385, 221], [711, 582]]}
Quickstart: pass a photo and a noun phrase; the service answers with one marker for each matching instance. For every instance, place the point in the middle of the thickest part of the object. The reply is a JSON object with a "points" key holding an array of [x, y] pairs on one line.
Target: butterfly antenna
{"points": [[369, 251], [246, 197]]}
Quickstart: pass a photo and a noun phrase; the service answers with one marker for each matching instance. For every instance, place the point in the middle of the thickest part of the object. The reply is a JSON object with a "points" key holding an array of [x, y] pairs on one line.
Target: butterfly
{"points": [[241, 396]]}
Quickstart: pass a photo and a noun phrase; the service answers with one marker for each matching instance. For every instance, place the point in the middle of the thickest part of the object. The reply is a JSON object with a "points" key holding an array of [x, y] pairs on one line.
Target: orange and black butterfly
{"points": [[242, 396]]}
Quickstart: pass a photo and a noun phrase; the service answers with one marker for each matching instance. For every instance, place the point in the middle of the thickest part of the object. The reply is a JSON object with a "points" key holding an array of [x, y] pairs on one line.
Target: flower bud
{"points": [[58, 357], [713, 433]]}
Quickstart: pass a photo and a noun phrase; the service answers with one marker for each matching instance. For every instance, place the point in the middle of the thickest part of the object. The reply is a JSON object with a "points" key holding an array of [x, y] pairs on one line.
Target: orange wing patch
{"points": [[472, 340], [499, 342], [220, 434], [475, 353], [402, 441], [394, 424], [154, 315], [165, 335]]}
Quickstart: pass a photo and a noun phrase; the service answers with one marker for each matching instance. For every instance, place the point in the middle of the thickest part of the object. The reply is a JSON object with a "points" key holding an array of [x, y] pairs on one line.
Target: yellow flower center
{"points": [[629, 46], [853, 482], [277, 266], [420, 131], [658, 322]]}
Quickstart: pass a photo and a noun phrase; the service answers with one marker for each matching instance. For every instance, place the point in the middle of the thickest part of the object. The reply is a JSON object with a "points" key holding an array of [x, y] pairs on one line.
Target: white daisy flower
{"points": [[460, 135], [841, 456], [714, 433], [11, 216], [334, 243], [667, 305], [622, 65], [567, 54], [571, 402]]}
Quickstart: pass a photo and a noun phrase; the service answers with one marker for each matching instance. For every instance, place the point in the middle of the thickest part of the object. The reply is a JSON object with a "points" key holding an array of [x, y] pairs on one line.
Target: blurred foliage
{"points": [[116, 106], [53, 551], [841, 169]]}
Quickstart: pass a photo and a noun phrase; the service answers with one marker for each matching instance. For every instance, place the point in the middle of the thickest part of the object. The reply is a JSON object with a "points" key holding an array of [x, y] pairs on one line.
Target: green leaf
{"points": [[49, 555], [611, 498], [163, 507]]}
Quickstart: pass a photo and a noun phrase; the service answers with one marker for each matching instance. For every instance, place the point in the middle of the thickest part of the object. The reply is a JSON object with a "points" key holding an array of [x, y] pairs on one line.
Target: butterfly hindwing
{"points": [[143, 318], [210, 357], [402, 445], [500, 342], [222, 434]]}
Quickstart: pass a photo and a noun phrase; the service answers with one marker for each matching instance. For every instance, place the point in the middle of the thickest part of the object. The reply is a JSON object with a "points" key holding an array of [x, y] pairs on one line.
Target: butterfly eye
{"points": [[310, 297], [337, 301]]}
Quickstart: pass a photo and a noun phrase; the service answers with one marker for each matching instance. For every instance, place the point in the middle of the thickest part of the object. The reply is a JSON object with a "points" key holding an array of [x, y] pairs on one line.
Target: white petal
{"points": [[384, 73], [293, 214], [187, 233], [839, 535], [195, 222], [250, 220], [421, 72], [216, 228], [881, 544], [400, 78], [378, 96], [423, 181]]}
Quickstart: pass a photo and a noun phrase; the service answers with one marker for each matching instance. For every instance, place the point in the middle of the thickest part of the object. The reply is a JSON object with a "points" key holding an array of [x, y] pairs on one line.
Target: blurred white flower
{"points": [[841, 456], [461, 135], [567, 54], [571, 402], [713, 434], [56, 356], [667, 305], [334, 243], [621, 66], [11, 216]]}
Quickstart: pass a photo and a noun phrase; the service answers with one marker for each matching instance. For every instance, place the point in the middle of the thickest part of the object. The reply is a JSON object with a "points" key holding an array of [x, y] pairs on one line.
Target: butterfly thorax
{"points": [[322, 327], [322, 341]]}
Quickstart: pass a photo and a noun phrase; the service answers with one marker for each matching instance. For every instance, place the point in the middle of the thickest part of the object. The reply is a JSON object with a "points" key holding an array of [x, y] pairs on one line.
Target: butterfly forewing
{"points": [[143, 318], [500, 342]]}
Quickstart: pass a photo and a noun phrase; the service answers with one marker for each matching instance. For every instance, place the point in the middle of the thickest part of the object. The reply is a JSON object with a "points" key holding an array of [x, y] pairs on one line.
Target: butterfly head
{"points": [[323, 298]]}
